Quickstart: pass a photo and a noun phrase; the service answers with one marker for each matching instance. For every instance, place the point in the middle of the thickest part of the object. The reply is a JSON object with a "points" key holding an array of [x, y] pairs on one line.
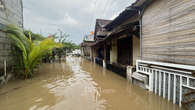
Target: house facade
{"points": [[152, 44], [98, 48], [124, 42], [86, 50], [167, 64], [11, 12], [168, 36]]}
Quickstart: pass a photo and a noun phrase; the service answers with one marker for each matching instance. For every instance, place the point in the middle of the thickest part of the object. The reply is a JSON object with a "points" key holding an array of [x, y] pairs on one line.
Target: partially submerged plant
{"points": [[31, 52]]}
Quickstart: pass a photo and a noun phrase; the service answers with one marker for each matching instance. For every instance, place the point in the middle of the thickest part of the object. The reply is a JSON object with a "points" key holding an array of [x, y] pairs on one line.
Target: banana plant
{"points": [[31, 51]]}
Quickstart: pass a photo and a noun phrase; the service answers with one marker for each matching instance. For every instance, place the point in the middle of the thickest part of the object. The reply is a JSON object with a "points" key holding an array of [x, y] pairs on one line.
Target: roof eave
{"points": [[131, 9]]}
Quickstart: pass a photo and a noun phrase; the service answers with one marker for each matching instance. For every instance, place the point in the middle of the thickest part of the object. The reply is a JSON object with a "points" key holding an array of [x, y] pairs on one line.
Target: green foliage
{"points": [[62, 38], [34, 36], [69, 47], [30, 52]]}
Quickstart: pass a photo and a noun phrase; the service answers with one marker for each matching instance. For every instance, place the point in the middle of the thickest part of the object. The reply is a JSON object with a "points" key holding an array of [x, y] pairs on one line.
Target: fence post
{"points": [[151, 81]]}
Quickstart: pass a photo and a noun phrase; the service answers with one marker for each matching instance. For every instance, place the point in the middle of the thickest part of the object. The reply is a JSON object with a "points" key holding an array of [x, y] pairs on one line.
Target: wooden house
{"points": [[86, 50], [123, 41], [11, 12], [98, 49], [157, 37], [167, 48]]}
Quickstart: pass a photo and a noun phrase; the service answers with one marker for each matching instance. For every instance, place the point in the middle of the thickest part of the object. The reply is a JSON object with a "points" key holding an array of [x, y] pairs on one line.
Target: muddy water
{"points": [[78, 84]]}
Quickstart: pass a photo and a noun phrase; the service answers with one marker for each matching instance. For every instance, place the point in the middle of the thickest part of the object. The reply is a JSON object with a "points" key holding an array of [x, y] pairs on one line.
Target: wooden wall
{"points": [[11, 12], [169, 31]]}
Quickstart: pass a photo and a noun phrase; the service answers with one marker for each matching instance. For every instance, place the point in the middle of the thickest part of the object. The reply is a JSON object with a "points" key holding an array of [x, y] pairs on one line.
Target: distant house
{"points": [[11, 12], [98, 52], [86, 50], [91, 48]]}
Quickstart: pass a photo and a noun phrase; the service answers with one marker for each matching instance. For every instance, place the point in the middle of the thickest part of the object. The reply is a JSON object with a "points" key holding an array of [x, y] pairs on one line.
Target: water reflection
{"points": [[78, 84]]}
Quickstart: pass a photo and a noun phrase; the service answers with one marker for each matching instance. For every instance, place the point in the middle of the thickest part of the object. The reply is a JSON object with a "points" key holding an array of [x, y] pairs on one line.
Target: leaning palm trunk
{"points": [[31, 52]]}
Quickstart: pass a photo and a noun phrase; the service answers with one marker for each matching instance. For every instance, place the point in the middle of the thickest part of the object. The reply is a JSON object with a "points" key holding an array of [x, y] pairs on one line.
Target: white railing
{"points": [[164, 78]]}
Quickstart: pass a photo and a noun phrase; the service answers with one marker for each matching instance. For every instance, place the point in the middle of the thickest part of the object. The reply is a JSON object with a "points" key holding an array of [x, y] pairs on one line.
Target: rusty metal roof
{"points": [[99, 27]]}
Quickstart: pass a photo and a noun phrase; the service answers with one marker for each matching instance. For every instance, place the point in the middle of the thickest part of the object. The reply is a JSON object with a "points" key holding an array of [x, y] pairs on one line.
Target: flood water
{"points": [[78, 84]]}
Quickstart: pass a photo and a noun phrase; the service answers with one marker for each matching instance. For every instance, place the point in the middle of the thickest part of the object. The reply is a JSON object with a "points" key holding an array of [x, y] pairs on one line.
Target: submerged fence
{"points": [[168, 80]]}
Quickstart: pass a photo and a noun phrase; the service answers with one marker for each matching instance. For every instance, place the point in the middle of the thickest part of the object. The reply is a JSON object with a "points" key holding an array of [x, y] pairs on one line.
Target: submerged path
{"points": [[78, 84]]}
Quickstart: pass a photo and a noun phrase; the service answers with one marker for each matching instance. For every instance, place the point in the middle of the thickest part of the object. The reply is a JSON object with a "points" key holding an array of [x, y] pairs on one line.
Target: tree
{"points": [[34, 36], [61, 36]]}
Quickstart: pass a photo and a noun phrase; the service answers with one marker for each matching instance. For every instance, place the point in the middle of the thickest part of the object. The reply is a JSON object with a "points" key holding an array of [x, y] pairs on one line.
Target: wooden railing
{"points": [[167, 79]]}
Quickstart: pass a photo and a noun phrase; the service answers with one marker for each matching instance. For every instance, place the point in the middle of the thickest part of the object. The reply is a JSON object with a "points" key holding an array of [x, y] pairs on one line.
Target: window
{"points": [[1, 4]]}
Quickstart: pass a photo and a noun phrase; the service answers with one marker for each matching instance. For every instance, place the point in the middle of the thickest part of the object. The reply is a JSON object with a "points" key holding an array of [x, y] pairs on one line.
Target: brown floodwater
{"points": [[78, 84]]}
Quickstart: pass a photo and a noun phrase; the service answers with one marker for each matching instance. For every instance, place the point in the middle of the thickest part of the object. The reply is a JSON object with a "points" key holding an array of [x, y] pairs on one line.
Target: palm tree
{"points": [[31, 51]]}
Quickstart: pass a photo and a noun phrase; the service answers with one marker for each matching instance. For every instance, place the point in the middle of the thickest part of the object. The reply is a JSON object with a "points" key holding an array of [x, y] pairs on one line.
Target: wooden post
{"points": [[5, 68], [180, 93], [156, 82], [169, 87], [104, 61], [151, 83], [174, 89], [159, 86], [94, 54], [164, 84]]}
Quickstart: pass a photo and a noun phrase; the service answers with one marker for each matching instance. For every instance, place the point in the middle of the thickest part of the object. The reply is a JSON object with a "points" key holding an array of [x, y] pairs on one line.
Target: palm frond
{"points": [[31, 52]]}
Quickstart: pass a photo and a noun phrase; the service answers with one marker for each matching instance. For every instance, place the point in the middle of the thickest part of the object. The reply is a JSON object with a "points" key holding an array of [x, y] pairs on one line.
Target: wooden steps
{"points": [[141, 78], [185, 106], [188, 100], [189, 93]]}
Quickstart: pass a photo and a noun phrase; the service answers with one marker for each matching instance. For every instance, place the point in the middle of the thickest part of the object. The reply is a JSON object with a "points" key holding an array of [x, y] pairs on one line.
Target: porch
{"points": [[122, 48], [174, 82]]}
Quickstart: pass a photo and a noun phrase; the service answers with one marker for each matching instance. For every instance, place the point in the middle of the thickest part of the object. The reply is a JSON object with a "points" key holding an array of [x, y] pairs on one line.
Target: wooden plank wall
{"points": [[12, 13], [169, 31]]}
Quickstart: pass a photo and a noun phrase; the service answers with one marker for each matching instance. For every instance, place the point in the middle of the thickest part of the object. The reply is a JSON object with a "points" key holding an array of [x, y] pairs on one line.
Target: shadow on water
{"points": [[78, 84]]}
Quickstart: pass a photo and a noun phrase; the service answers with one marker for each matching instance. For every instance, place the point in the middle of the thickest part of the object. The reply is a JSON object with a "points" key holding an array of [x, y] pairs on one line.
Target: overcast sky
{"points": [[75, 17]]}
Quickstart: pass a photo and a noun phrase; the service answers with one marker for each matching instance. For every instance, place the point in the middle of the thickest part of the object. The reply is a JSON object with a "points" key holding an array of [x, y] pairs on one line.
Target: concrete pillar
{"points": [[114, 52], [94, 59], [104, 63]]}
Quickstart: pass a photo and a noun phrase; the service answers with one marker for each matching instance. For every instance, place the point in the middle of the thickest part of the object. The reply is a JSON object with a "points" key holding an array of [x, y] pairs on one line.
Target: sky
{"points": [[75, 17]]}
